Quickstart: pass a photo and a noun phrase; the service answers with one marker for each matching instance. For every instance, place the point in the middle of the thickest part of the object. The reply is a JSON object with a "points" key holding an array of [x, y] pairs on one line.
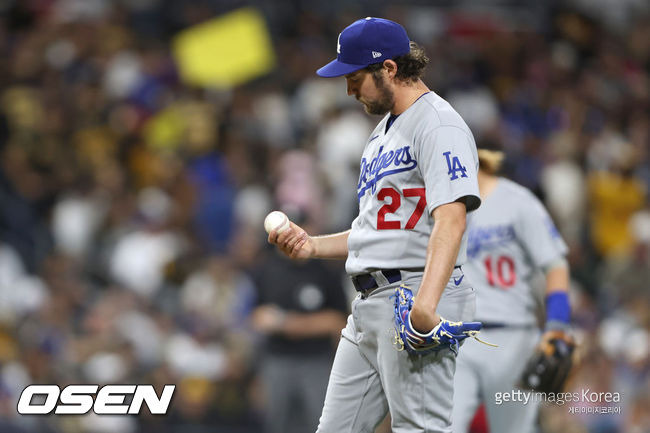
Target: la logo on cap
{"points": [[338, 44]]}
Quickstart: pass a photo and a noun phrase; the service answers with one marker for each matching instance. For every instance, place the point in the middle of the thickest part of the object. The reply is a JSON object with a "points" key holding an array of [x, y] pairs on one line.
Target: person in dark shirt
{"points": [[301, 309]]}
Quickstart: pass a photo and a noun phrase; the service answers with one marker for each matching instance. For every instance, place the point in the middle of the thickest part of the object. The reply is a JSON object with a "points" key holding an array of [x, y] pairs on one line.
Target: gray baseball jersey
{"points": [[510, 236], [426, 158]]}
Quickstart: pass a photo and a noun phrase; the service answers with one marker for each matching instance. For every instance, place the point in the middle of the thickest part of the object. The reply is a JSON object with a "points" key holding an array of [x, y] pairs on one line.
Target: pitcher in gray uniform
{"points": [[417, 182], [511, 237]]}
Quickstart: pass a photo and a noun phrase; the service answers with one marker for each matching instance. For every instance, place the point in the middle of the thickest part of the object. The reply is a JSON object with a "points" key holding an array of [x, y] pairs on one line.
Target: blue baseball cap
{"points": [[364, 42]]}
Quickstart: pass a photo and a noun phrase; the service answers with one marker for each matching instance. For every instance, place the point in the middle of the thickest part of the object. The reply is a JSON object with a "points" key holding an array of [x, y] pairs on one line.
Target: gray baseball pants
{"points": [[370, 376], [484, 371]]}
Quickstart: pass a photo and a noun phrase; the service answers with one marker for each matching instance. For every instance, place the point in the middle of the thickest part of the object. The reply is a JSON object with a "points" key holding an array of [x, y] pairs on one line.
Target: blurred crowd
{"points": [[131, 204]]}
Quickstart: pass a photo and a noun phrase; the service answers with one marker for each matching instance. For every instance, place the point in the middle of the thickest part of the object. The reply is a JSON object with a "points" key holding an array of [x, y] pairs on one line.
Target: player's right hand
{"points": [[294, 242]]}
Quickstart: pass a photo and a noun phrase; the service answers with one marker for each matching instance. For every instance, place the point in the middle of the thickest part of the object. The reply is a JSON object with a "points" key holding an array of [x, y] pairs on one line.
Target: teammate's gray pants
{"points": [[370, 376], [483, 371]]}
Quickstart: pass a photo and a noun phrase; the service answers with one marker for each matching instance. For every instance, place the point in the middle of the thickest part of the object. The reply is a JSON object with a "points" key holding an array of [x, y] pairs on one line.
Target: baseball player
{"points": [[511, 237], [417, 182]]}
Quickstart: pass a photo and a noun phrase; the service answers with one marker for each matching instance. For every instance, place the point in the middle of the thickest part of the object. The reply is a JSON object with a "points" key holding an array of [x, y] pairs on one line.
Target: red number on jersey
{"points": [[505, 272], [396, 202], [419, 208], [391, 207]]}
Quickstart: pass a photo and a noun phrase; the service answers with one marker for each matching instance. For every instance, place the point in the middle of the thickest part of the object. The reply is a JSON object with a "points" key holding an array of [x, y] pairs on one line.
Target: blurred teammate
{"points": [[510, 238], [418, 167]]}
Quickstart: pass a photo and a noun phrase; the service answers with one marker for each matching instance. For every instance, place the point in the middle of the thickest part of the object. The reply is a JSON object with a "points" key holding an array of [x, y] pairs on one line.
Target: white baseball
{"points": [[276, 220]]}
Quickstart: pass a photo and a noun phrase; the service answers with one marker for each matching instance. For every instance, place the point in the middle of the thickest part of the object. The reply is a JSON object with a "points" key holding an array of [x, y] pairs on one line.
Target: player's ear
{"points": [[391, 68]]}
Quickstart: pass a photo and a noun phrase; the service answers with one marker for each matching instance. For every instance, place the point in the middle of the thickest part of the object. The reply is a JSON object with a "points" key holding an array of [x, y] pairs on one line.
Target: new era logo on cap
{"points": [[364, 42]]}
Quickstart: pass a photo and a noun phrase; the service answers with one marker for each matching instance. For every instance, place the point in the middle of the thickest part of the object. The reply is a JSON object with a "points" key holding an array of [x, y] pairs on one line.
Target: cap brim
{"points": [[336, 68]]}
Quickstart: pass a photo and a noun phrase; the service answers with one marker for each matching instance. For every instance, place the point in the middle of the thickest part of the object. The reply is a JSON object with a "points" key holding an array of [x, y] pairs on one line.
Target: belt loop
{"points": [[380, 278]]}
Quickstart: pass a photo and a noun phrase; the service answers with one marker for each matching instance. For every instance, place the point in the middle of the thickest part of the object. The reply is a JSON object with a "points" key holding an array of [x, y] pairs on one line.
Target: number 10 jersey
{"points": [[510, 239]]}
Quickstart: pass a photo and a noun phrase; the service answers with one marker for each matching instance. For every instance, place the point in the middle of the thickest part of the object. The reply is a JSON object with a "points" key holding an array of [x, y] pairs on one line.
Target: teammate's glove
{"points": [[444, 334], [548, 368]]}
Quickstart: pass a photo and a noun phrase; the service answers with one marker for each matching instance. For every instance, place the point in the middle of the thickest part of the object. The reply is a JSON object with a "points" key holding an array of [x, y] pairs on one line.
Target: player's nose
{"points": [[353, 92]]}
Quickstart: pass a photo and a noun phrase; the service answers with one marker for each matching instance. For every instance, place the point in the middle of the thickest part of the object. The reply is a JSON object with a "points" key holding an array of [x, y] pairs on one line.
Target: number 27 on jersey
{"points": [[395, 203]]}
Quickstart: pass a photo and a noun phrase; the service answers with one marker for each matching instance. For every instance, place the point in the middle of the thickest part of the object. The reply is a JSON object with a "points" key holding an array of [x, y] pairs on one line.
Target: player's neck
{"points": [[486, 184], [406, 95]]}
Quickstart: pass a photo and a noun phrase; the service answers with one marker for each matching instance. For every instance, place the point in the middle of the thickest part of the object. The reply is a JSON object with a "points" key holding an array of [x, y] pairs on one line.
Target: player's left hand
{"points": [[444, 334]]}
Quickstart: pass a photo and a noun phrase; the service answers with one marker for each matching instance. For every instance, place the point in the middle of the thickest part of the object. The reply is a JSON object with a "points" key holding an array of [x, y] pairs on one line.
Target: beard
{"points": [[384, 102]]}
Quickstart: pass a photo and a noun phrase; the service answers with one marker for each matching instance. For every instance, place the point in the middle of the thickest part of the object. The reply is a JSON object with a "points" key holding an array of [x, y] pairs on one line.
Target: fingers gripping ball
{"points": [[444, 334], [277, 221]]}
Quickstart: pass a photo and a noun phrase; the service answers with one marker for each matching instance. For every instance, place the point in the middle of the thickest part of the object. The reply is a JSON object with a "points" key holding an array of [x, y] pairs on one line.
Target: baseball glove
{"points": [[549, 367], [444, 334]]}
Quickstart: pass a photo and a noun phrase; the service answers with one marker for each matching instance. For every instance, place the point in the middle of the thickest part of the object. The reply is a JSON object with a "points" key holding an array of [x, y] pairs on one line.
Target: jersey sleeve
{"points": [[538, 233], [448, 163]]}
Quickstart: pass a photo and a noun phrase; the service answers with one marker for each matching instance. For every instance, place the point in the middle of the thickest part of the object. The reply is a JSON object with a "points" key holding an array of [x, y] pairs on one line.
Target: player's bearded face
{"points": [[383, 102]]}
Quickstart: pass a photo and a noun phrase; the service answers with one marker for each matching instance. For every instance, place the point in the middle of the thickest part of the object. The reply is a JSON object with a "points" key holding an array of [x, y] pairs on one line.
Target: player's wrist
{"points": [[556, 325], [415, 330], [422, 321], [558, 310], [314, 251]]}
